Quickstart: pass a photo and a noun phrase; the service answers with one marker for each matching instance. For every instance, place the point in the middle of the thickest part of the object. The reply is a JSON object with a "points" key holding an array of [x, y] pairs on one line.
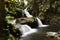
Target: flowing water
{"points": [[23, 28], [26, 29], [40, 24], [39, 21], [29, 33], [25, 11], [25, 2]]}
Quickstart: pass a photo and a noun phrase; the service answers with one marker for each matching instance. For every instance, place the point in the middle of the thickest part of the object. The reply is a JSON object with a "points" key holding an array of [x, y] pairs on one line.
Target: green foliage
{"points": [[47, 10]]}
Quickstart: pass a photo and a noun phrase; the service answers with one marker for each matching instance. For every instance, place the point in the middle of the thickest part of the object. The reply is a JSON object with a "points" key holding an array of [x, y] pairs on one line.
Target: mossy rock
{"points": [[24, 20]]}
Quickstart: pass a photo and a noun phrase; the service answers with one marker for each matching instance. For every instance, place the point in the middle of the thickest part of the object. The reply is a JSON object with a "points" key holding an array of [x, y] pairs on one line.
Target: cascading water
{"points": [[27, 32], [25, 2], [40, 24], [23, 28], [39, 21], [25, 11]]}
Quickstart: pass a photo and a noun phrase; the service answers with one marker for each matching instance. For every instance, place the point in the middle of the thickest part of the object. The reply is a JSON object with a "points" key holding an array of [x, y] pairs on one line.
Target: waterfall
{"points": [[40, 24], [29, 32], [26, 29], [23, 28], [19, 0], [25, 2], [39, 21], [25, 11]]}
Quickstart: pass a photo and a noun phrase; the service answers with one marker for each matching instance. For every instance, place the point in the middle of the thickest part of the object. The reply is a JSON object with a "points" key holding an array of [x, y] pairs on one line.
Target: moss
{"points": [[24, 20]]}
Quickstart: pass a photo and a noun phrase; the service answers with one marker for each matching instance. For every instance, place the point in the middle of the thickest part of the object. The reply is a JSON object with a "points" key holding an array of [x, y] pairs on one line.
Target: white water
{"points": [[25, 11], [19, 0], [25, 2], [29, 32], [26, 29], [23, 28], [40, 24], [39, 21]]}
